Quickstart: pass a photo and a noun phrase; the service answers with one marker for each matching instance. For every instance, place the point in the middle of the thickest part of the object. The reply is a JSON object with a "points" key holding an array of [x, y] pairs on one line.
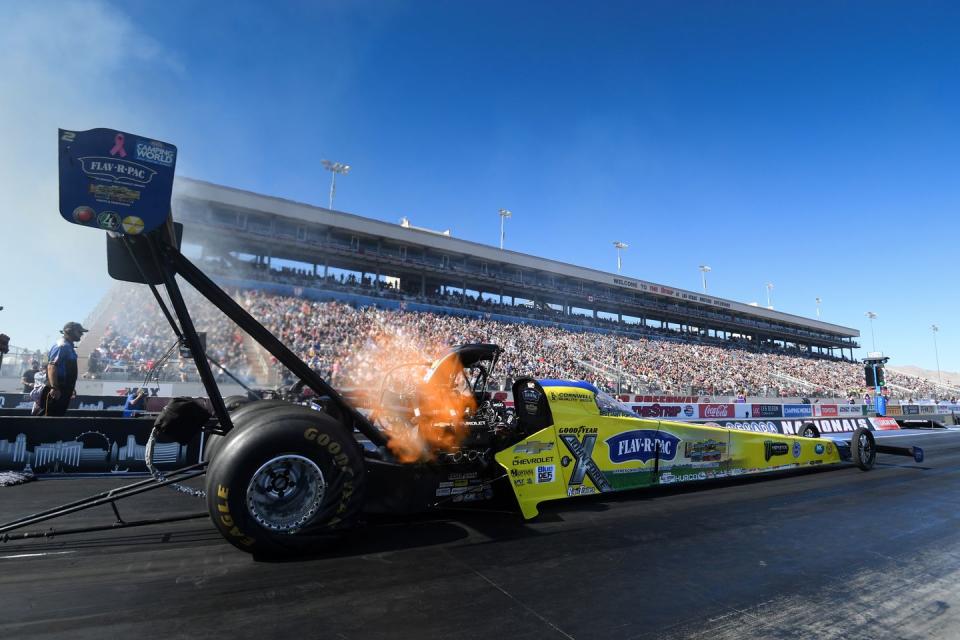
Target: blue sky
{"points": [[812, 145]]}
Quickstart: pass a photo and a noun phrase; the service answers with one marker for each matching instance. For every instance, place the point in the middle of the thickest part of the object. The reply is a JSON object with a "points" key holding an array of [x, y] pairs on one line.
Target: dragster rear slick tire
{"points": [[289, 483], [863, 449], [240, 415]]}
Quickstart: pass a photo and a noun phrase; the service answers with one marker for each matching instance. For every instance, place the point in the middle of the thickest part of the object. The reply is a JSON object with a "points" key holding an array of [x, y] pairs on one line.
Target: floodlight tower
{"points": [[936, 351], [504, 214], [873, 337], [704, 270], [769, 286], [818, 307], [619, 245], [334, 168]]}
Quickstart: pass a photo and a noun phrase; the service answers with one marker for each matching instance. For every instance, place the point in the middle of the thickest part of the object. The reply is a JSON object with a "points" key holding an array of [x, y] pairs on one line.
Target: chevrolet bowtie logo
{"points": [[533, 447]]}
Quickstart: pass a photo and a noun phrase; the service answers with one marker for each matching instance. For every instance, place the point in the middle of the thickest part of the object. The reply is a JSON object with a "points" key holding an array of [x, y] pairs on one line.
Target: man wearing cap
{"points": [[27, 378], [62, 370]]}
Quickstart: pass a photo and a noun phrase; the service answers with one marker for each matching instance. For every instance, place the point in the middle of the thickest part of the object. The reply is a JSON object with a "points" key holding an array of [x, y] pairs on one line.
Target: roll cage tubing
{"points": [[171, 262]]}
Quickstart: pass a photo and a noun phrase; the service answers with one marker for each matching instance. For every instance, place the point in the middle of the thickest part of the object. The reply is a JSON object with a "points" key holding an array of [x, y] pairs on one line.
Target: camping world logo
{"points": [[642, 445]]}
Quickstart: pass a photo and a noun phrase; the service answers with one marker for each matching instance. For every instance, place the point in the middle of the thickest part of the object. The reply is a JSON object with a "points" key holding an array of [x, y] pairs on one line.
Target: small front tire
{"points": [[808, 430], [863, 449]]}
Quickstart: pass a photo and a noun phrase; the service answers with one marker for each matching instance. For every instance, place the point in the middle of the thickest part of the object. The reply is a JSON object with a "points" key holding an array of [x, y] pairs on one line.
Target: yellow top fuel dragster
{"points": [[284, 478]]}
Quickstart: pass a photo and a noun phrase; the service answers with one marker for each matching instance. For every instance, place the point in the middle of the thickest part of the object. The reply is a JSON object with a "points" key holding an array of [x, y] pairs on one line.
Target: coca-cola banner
{"points": [[825, 411], [767, 410], [716, 411]]}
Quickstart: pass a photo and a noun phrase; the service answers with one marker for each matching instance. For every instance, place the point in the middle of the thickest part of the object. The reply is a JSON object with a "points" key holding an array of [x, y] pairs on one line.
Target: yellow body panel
{"points": [[584, 452]]}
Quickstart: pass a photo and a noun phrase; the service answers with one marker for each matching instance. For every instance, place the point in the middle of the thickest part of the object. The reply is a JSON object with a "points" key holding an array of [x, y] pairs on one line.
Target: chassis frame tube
{"points": [[218, 297]]}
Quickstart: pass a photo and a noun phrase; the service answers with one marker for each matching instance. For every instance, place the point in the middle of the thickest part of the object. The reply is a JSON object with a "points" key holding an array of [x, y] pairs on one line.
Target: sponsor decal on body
{"points": [[642, 445], [576, 396], [771, 449], [545, 473], [582, 450], [533, 447]]}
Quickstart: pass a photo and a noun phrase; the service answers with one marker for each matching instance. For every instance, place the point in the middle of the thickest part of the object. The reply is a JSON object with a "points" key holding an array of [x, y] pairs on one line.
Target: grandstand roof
{"points": [[222, 197]]}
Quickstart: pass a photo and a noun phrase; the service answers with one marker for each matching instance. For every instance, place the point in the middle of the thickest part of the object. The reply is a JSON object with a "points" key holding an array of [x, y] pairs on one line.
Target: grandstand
{"points": [[332, 284], [230, 222]]}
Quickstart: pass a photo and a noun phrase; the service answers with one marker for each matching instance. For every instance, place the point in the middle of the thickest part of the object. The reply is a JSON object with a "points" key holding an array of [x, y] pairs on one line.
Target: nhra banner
{"points": [[791, 427]]}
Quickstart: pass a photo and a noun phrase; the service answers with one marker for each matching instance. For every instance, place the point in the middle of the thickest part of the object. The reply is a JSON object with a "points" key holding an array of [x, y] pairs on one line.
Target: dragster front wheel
{"points": [[863, 449], [291, 481], [809, 430]]}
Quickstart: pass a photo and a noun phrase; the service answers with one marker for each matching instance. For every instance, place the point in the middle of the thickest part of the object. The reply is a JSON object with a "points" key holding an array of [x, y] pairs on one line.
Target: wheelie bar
{"points": [[910, 452]]}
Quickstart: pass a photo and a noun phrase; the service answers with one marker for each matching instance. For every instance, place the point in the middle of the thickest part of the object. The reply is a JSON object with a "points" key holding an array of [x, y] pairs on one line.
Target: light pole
{"points": [[704, 270], [769, 289], [334, 168], [818, 308], [873, 337], [619, 245], [936, 351], [504, 214]]}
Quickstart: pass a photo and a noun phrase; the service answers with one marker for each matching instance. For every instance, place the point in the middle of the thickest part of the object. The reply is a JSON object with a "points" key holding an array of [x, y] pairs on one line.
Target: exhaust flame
{"points": [[421, 406]]}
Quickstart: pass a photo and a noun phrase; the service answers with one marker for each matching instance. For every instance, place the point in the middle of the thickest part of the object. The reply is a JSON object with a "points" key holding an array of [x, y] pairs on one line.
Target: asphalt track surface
{"points": [[832, 553]]}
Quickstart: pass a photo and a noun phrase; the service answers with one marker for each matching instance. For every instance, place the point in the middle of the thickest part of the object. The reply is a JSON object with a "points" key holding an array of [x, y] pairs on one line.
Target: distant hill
{"points": [[951, 378]]}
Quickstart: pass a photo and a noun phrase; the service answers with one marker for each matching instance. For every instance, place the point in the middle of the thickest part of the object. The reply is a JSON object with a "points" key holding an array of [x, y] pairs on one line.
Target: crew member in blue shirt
{"points": [[62, 370], [136, 402]]}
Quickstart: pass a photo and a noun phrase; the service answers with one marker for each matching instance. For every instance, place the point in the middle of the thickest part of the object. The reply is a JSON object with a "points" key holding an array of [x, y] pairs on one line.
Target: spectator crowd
{"points": [[340, 340]]}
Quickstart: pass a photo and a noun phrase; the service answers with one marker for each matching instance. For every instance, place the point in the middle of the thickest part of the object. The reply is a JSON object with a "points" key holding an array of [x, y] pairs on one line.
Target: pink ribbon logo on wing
{"points": [[118, 149]]}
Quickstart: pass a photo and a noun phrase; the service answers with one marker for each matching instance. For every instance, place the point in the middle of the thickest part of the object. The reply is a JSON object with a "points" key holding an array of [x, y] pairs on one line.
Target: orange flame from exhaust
{"points": [[421, 409]]}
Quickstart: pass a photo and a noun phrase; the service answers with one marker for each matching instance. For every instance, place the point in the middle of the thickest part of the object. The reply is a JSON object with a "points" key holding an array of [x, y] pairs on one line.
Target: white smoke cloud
{"points": [[64, 65]]}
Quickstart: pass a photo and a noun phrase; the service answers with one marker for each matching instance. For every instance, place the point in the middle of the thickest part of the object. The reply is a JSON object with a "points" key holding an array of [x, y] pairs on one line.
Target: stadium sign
{"points": [[115, 181]]}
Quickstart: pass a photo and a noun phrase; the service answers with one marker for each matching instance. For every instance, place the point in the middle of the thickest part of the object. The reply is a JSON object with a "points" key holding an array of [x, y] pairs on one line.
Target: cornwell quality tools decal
{"points": [[580, 441]]}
